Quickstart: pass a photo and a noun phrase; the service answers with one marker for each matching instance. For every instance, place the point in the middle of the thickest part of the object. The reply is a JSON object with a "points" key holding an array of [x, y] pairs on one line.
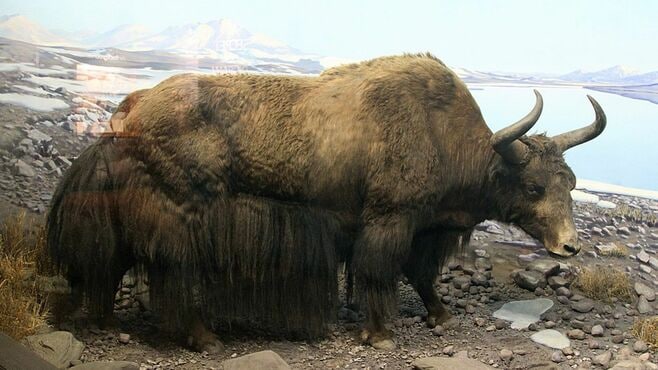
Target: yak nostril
{"points": [[571, 249]]}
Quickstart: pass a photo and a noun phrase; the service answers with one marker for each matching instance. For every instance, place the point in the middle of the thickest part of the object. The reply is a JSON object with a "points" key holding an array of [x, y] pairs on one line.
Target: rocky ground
{"points": [[500, 265]]}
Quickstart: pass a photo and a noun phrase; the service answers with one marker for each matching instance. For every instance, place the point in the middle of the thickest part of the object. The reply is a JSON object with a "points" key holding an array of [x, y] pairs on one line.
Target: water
{"points": [[625, 154]]}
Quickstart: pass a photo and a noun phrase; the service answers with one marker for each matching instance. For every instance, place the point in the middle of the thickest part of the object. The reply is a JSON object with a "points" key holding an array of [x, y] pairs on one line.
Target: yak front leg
{"points": [[201, 339], [379, 249], [430, 250]]}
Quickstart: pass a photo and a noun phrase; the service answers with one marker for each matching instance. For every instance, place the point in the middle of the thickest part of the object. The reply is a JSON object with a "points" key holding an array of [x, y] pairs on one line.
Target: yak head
{"points": [[533, 182]]}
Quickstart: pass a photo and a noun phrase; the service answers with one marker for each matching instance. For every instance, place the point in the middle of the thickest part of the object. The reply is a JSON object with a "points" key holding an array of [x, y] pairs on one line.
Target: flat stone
{"points": [[523, 313], [643, 256], [551, 338], [23, 169], [642, 289], [530, 280], [449, 363], [653, 262], [37, 135], [557, 282], [583, 306], [643, 305], [603, 359], [59, 347], [107, 365], [546, 267], [263, 360]]}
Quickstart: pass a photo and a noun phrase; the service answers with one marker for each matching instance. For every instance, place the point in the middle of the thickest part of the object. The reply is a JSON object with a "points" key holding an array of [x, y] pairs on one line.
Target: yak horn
{"points": [[576, 137], [505, 141]]}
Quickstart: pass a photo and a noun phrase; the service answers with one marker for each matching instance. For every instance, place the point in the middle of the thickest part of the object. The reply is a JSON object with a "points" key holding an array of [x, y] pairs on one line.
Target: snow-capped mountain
{"points": [[18, 27], [621, 75], [119, 35]]}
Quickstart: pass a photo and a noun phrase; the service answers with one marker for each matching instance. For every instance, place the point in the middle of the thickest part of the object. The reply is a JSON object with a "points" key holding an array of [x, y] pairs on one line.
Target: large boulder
{"points": [[263, 360], [59, 347]]}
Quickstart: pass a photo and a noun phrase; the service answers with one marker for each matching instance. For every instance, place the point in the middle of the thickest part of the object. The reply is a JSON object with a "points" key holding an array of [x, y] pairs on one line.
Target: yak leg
{"points": [[203, 339], [379, 249], [428, 252]]}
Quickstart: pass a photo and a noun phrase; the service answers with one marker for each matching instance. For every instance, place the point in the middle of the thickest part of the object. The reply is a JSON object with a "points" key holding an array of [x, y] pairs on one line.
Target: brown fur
{"points": [[239, 193]]}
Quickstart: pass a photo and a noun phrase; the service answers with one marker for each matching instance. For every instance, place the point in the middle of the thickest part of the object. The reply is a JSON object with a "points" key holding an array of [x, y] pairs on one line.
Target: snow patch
{"points": [[601, 187], [33, 102]]}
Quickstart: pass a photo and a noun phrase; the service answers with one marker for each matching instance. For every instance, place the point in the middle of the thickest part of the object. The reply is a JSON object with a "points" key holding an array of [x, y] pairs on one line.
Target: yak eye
{"points": [[535, 190]]}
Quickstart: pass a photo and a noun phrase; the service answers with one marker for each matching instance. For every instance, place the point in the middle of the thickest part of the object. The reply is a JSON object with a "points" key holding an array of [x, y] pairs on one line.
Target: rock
{"points": [[448, 350], [505, 354], [59, 347], [653, 262], [643, 290], [23, 169], [583, 306], [623, 231], [107, 365], [606, 249], [438, 331], [603, 359], [643, 257], [558, 357], [576, 334], [563, 292], [528, 257], [523, 313], [551, 338], [546, 267], [263, 360], [38, 136], [640, 346], [597, 331], [557, 282], [530, 280], [643, 305], [483, 264], [633, 364], [124, 338], [449, 363]]}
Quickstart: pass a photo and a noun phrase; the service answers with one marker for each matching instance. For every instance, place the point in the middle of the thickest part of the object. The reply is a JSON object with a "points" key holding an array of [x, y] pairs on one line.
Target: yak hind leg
{"points": [[378, 251], [430, 249], [202, 339]]}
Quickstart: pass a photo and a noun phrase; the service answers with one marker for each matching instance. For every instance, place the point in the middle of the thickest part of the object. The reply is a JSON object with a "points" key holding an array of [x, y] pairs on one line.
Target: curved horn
{"points": [[572, 138], [505, 140]]}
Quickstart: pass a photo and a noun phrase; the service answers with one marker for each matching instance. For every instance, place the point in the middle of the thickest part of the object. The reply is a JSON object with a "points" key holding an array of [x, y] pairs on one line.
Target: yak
{"points": [[240, 196]]}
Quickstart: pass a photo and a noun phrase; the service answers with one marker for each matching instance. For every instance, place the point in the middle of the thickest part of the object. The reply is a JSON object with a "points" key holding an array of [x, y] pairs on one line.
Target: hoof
{"points": [[211, 345], [386, 345], [214, 348], [379, 340], [442, 319]]}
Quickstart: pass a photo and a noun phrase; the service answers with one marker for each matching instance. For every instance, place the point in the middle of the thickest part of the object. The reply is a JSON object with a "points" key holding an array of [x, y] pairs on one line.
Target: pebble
{"points": [[576, 334], [563, 291], [124, 338], [582, 306], [557, 282], [449, 350], [506, 355], [640, 346], [643, 305], [438, 331], [558, 357], [603, 359], [597, 330]]}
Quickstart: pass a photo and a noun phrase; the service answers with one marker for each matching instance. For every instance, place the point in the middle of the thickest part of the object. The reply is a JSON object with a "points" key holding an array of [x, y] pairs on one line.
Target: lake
{"points": [[625, 154]]}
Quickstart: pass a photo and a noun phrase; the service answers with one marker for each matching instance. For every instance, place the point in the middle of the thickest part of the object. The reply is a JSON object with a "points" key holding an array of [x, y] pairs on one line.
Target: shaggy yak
{"points": [[240, 196]]}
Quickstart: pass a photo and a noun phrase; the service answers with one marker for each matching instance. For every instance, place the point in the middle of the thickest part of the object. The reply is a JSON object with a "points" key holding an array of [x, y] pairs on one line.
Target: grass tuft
{"points": [[604, 284], [22, 254], [646, 330], [618, 251]]}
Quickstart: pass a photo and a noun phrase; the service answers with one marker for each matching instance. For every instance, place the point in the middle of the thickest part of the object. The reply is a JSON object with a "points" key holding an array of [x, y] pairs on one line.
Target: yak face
{"points": [[533, 182], [536, 196]]}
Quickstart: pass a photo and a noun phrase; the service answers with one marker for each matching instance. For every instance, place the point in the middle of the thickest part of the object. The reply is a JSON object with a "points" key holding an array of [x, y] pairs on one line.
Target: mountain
{"points": [[18, 27], [119, 35], [618, 75]]}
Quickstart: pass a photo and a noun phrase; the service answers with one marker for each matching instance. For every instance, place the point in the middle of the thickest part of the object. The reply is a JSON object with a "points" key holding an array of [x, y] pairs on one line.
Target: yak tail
{"points": [[83, 236]]}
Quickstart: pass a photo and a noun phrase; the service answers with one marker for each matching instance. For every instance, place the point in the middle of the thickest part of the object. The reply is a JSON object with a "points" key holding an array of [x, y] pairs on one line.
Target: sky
{"points": [[516, 35]]}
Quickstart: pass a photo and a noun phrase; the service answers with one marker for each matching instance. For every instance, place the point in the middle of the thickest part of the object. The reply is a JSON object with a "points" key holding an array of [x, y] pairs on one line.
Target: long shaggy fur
{"points": [[238, 195]]}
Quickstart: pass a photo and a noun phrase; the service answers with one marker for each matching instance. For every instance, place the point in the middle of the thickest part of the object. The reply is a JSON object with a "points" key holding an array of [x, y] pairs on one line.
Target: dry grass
{"points": [[22, 307], [647, 330], [618, 251], [604, 284]]}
